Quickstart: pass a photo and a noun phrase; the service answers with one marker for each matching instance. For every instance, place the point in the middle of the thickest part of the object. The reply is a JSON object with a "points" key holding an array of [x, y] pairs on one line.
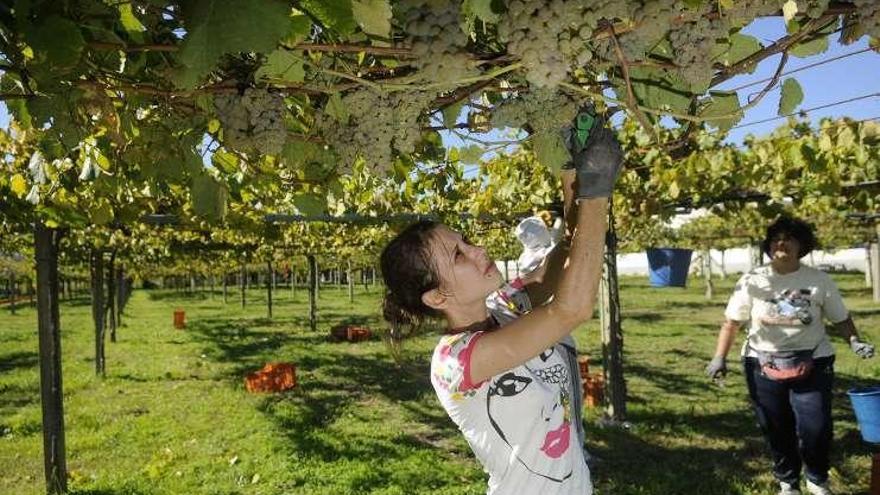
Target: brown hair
{"points": [[408, 273], [795, 227]]}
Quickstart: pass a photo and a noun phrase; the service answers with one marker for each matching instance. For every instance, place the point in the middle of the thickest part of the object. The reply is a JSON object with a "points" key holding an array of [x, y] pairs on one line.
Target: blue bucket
{"points": [[668, 266], [866, 405]]}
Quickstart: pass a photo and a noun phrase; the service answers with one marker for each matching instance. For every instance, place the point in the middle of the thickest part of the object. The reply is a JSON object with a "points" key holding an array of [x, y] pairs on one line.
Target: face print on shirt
{"points": [[789, 307], [538, 445]]}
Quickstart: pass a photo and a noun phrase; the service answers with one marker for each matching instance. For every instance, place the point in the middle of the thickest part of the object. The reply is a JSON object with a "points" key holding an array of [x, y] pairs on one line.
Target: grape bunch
{"points": [[378, 125], [548, 36], [813, 8], [437, 39], [652, 20], [692, 46], [743, 12], [869, 16], [541, 110], [252, 121]]}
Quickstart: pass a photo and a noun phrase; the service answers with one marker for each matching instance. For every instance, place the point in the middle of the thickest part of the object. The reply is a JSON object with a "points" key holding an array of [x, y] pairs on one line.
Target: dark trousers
{"points": [[795, 419]]}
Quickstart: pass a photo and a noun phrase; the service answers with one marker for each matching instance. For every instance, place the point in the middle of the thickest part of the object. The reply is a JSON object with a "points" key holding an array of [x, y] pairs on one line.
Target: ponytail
{"points": [[408, 273]]}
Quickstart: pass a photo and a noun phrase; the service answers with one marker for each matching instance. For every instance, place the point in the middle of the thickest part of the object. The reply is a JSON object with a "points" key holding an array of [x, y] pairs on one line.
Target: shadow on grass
{"points": [[694, 304], [108, 491], [338, 385], [15, 396], [164, 295], [865, 312], [626, 461], [643, 317], [9, 362], [695, 469]]}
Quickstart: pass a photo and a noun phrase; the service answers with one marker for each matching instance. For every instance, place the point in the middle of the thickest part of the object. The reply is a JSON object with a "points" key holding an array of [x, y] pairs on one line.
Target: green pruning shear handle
{"points": [[583, 124], [577, 135]]}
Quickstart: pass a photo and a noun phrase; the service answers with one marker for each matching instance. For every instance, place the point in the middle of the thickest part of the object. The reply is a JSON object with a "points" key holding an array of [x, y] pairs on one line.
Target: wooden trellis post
{"points": [[313, 292], [242, 282], [97, 267], [612, 333], [707, 273], [49, 328], [350, 283], [269, 283]]}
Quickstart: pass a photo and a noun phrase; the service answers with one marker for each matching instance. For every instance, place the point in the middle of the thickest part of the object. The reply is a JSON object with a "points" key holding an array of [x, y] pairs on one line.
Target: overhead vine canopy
{"points": [[310, 90]]}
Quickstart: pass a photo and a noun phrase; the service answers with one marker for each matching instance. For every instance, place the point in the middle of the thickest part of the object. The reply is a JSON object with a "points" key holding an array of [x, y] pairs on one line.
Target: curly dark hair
{"points": [[794, 227], [408, 273]]}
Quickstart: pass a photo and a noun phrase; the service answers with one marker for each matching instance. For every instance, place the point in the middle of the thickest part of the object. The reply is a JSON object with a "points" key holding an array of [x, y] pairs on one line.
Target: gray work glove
{"points": [[596, 155], [863, 350], [717, 368]]}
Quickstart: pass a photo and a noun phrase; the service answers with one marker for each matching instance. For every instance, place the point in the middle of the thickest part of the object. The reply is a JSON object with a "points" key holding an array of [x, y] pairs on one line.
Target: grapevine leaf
{"points": [[228, 26], [481, 9], [792, 96], [310, 204], [334, 14], [300, 28], [674, 189], [451, 113], [130, 23], [810, 48], [471, 154], [18, 185], [225, 161], [741, 46], [550, 150], [213, 126], [19, 110], [655, 89], [56, 41], [208, 198], [722, 103], [336, 109], [373, 16], [282, 64], [101, 213], [299, 154]]}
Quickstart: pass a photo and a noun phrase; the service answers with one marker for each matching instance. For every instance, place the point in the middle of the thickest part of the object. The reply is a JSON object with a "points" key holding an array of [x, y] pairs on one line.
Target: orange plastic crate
{"points": [[274, 377], [594, 389], [179, 319]]}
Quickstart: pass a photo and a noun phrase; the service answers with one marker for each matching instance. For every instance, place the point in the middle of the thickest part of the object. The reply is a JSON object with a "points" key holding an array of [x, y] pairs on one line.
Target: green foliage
{"points": [[218, 27], [741, 46], [335, 14], [550, 149], [208, 198], [373, 16], [792, 96], [722, 109], [283, 64], [56, 42]]}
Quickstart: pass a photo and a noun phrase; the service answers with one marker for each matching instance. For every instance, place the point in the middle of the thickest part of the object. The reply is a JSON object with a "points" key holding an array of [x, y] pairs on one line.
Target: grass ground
{"points": [[172, 415]]}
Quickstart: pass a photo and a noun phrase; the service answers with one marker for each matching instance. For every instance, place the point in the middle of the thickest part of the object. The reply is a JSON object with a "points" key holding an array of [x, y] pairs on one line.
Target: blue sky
{"points": [[839, 80]]}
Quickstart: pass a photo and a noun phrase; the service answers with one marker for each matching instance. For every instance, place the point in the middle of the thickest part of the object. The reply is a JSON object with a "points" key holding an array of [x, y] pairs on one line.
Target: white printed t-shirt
{"points": [[786, 311], [518, 423]]}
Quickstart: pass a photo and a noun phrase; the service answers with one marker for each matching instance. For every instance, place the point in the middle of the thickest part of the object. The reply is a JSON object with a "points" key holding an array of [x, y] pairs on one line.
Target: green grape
{"points": [[868, 12], [692, 46], [543, 110], [252, 121], [436, 39], [380, 124]]}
